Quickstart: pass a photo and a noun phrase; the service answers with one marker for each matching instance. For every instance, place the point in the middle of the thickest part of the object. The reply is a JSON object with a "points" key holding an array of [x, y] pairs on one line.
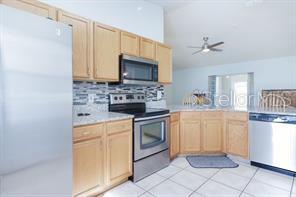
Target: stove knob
{"points": [[115, 98], [142, 97], [120, 98], [139, 97]]}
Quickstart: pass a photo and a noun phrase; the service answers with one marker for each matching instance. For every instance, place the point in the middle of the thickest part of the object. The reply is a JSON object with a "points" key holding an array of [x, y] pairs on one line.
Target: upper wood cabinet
{"points": [[190, 132], [165, 65], [119, 151], [147, 48], [236, 131], [174, 135], [129, 43], [106, 53], [82, 44], [33, 6]]}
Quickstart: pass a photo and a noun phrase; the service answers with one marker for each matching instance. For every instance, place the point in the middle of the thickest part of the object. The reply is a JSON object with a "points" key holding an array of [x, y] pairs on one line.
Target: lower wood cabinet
{"points": [[119, 156], [88, 165], [236, 131], [174, 135], [190, 132], [102, 156], [210, 132], [212, 135]]}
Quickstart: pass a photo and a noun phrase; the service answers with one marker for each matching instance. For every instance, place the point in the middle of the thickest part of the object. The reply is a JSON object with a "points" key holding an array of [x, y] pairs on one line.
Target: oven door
{"points": [[150, 136], [135, 70]]}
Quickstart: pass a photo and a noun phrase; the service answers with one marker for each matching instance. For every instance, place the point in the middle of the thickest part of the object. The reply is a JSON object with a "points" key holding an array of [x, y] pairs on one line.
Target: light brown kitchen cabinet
{"points": [[236, 131], [102, 156], [88, 158], [119, 154], [32, 6], [129, 43], [190, 132], [212, 135], [106, 53], [82, 44], [147, 48], [165, 65], [119, 151], [174, 135], [212, 131]]}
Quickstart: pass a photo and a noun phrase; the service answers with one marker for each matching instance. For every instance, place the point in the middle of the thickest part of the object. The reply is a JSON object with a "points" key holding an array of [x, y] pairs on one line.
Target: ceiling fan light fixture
{"points": [[206, 50]]}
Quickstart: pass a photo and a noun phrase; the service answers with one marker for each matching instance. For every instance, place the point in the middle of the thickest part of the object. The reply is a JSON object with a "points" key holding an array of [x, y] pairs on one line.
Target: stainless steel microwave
{"points": [[136, 70]]}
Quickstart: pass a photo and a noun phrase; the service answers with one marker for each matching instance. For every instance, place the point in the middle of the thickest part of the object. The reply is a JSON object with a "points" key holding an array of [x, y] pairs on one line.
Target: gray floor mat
{"points": [[215, 161]]}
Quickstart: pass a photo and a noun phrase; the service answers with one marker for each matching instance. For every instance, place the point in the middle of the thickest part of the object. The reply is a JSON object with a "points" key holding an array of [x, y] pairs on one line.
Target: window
{"points": [[231, 90]]}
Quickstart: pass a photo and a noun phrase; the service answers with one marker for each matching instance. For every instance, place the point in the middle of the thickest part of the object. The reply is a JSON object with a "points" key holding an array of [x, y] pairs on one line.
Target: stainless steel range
{"points": [[151, 130]]}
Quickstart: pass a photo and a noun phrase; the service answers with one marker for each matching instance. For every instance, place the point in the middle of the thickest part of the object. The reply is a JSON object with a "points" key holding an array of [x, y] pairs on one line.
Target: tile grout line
{"points": [[270, 185], [249, 182], [165, 179], [226, 185], [208, 178]]}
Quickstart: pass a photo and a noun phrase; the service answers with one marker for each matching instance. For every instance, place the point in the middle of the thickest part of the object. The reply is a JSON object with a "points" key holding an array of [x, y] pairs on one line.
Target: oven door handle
{"points": [[151, 117]]}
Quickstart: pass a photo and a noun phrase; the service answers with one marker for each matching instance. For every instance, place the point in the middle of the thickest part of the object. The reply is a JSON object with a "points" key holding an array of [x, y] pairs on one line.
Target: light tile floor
{"points": [[181, 180]]}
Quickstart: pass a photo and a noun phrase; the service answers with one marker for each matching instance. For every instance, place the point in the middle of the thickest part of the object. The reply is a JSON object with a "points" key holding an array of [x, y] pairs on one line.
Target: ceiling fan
{"points": [[206, 47]]}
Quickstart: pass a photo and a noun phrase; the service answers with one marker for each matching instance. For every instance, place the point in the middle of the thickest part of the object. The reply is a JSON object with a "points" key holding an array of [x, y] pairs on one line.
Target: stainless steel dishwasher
{"points": [[273, 141]]}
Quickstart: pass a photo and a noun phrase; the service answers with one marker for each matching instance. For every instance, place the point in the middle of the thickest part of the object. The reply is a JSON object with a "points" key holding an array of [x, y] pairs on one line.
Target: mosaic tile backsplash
{"points": [[88, 93]]}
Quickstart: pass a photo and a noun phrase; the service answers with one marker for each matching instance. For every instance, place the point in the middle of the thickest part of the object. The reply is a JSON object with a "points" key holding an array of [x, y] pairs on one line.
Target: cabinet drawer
{"points": [[241, 116], [190, 116], [87, 132], [119, 126], [175, 117], [211, 115]]}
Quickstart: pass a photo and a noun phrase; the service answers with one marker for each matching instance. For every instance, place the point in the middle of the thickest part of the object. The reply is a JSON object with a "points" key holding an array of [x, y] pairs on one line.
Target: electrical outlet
{"points": [[158, 95], [91, 98]]}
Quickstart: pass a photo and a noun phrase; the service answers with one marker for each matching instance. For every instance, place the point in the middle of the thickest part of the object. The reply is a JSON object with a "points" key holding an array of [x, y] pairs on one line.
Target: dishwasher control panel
{"points": [[263, 117]]}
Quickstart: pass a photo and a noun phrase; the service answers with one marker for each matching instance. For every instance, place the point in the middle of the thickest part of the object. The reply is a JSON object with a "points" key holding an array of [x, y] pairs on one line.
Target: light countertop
{"points": [[269, 110], [97, 117]]}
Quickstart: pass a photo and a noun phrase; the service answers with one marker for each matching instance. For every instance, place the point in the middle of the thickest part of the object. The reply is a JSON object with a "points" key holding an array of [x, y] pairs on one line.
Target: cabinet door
{"points": [[237, 138], [165, 67], [129, 43], [106, 53], [212, 135], [174, 139], [88, 165], [33, 6], [119, 156], [81, 44], [147, 48], [190, 136]]}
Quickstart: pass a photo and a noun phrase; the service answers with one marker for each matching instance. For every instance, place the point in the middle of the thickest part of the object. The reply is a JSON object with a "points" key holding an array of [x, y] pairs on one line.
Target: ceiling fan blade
{"points": [[216, 44], [217, 50], [193, 47], [197, 52]]}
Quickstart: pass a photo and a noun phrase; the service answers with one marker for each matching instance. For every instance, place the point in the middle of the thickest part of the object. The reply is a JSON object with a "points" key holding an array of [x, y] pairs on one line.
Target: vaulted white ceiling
{"points": [[251, 29]]}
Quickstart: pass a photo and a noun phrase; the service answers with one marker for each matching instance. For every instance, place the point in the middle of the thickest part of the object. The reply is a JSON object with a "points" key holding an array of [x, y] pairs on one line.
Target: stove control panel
{"points": [[127, 98]]}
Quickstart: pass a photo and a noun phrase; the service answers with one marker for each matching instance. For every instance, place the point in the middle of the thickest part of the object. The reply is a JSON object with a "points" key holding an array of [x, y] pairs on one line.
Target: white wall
{"points": [[277, 73], [139, 17]]}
